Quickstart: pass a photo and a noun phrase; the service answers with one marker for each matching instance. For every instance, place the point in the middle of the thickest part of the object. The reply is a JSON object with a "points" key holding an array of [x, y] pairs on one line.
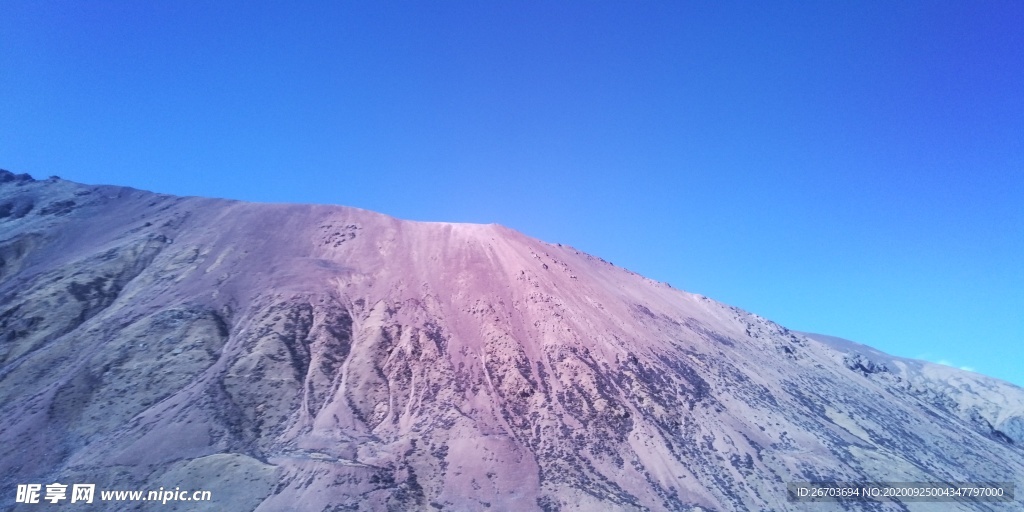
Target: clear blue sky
{"points": [[851, 168]]}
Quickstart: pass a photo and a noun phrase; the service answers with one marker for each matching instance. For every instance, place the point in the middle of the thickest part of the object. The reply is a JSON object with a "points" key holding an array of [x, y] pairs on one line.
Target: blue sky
{"points": [[850, 168]]}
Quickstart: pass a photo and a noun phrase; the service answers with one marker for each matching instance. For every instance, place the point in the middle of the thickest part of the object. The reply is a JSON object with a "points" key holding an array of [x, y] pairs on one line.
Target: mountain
{"points": [[300, 357]]}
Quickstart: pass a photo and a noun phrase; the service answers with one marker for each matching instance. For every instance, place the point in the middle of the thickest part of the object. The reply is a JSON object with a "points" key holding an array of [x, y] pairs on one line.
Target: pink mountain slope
{"points": [[297, 357]]}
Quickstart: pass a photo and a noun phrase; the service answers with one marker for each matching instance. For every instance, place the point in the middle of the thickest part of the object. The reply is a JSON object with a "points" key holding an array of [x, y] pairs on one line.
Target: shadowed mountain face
{"points": [[327, 358]]}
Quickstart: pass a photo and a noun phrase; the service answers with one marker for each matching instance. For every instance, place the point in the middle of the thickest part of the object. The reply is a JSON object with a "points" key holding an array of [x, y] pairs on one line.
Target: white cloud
{"points": [[947, 362]]}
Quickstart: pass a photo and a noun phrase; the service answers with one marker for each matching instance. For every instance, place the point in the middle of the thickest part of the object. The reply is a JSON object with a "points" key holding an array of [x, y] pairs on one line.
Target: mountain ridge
{"points": [[337, 357]]}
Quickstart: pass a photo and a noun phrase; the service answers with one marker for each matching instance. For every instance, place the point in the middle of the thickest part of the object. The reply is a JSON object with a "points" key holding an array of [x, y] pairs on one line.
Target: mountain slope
{"points": [[330, 358]]}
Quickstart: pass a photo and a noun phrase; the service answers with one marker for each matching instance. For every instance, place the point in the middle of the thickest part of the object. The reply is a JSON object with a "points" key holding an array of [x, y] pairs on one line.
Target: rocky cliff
{"points": [[328, 358]]}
